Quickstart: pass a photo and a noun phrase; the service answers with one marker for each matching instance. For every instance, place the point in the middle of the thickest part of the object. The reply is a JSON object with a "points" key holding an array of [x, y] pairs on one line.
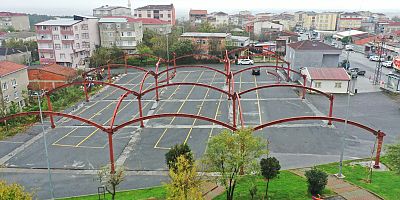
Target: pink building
{"points": [[68, 42], [162, 12]]}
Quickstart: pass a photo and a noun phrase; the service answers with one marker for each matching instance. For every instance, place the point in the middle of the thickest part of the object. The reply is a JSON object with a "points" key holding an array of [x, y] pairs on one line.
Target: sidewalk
{"points": [[342, 188]]}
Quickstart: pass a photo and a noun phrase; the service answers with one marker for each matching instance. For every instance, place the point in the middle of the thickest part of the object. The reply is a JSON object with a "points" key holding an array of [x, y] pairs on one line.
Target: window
{"points": [[56, 37], [198, 41], [84, 27], [57, 46], [66, 46], [111, 43], [130, 43], [76, 36], [16, 96], [51, 55], [169, 15], [129, 34], [317, 84], [118, 25], [55, 28], [7, 98], [65, 37], [110, 34], [5, 86], [14, 82], [161, 15], [62, 55], [122, 34], [140, 15], [338, 85], [78, 46], [85, 35], [108, 26], [43, 27], [148, 15], [76, 28]]}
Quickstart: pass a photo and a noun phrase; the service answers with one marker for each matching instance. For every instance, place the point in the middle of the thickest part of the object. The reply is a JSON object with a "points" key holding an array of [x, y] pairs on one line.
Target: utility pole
{"points": [[378, 69]]}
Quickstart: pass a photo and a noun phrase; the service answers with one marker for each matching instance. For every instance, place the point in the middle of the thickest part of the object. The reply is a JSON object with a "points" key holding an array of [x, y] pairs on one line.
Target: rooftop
{"points": [[58, 69], [18, 35], [220, 13], [10, 14], [198, 12], [328, 73], [106, 7], [59, 22], [240, 38], [7, 67], [197, 34], [156, 7], [349, 33], [312, 45]]}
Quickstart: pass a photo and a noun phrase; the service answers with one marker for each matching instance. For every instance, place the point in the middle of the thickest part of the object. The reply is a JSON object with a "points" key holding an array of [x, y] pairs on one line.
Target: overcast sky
{"points": [[70, 7]]}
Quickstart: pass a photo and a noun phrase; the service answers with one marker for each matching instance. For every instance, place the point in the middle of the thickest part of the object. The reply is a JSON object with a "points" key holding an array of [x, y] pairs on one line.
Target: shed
{"points": [[330, 80]]}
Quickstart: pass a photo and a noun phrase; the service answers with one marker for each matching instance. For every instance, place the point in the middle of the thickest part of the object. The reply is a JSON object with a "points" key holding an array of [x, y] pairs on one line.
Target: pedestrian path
{"points": [[342, 188]]}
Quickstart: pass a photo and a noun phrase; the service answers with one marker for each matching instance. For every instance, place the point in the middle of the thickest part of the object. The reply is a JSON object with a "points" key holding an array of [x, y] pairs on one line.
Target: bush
{"points": [[172, 155], [317, 180], [13, 191], [393, 157]]}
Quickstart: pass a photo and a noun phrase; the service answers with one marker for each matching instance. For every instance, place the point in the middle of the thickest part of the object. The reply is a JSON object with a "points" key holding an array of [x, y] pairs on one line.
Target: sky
{"points": [[84, 7]]}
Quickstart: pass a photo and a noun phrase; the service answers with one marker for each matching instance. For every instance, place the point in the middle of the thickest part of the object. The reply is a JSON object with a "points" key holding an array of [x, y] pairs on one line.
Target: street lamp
{"points": [[38, 94]]}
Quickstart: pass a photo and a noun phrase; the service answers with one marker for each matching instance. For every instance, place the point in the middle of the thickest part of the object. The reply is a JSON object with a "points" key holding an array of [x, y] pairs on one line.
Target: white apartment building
{"points": [[14, 82], [162, 12], [68, 42], [261, 27], [106, 11]]}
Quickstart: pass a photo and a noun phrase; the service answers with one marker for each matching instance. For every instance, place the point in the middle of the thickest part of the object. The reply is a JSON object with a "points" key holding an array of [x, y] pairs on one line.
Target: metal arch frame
{"points": [[183, 115], [378, 133], [114, 66], [186, 83], [115, 113], [193, 66], [275, 75], [329, 96], [209, 57], [270, 66]]}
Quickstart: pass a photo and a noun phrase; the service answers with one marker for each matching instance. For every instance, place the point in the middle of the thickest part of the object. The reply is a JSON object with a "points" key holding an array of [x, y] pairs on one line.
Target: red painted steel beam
{"points": [[240, 109], [275, 75], [56, 114], [121, 98], [205, 55], [284, 85], [187, 83], [193, 66], [301, 118], [275, 67], [95, 82], [164, 115], [115, 66], [142, 82]]}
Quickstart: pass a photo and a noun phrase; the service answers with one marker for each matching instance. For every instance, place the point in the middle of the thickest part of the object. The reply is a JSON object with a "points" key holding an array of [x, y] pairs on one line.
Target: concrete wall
{"points": [[21, 23], [22, 81], [39, 79], [20, 58]]}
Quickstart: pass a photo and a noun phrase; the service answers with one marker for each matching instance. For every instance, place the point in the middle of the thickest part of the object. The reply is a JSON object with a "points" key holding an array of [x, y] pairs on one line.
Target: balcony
{"points": [[67, 41], [67, 32], [41, 31], [47, 60], [46, 50], [45, 40]]}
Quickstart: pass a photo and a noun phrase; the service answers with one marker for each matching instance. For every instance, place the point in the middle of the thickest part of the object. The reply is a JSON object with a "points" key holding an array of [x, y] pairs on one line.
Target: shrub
{"points": [[13, 191], [172, 155], [317, 180], [269, 169], [393, 157]]}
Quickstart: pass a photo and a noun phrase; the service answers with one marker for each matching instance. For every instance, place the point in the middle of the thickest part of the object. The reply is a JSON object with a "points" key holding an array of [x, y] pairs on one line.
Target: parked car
{"points": [[376, 58], [358, 71], [348, 48], [245, 62], [388, 64], [352, 73], [255, 71]]}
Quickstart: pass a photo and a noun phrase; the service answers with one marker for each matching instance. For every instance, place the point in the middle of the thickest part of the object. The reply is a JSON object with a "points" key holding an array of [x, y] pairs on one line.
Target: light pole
{"points": [[38, 94]]}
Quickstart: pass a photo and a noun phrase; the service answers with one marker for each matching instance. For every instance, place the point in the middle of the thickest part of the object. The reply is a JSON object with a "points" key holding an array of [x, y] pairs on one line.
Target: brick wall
{"points": [[39, 79]]}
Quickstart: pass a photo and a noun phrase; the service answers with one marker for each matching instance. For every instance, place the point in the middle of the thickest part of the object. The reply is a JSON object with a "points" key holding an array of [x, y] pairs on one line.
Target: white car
{"points": [[348, 48], [376, 58], [388, 64], [245, 62]]}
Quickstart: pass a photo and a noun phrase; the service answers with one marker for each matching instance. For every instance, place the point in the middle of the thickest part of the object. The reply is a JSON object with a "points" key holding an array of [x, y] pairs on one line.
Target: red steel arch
{"points": [[193, 66], [145, 54], [186, 83], [95, 82], [379, 134], [164, 115], [266, 66], [209, 57]]}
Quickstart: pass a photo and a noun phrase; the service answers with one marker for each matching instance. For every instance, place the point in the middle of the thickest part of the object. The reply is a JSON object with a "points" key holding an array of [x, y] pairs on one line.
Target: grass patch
{"points": [[286, 186], [156, 192], [386, 184]]}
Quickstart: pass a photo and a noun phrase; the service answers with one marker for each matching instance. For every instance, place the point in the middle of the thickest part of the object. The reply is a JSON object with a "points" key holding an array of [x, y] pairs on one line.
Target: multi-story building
{"points": [[69, 42], [162, 12], [348, 21], [244, 12], [203, 41], [326, 21], [305, 20], [156, 25], [123, 32], [260, 27], [18, 21], [263, 16], [197, 17], [218, 18], [14, 82], [106, 11]]}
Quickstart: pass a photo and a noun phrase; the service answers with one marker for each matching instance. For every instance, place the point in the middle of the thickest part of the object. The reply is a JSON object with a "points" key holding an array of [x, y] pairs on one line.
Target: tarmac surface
{"points": [[76, 149]]}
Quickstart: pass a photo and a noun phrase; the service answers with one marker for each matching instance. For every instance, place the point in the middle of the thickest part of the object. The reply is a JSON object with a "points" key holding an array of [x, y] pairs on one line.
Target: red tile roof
{"points": [[7, 67], [338, 74], [58, 69], [10, 14], [198, 12], [394, 23], [311, 45]]}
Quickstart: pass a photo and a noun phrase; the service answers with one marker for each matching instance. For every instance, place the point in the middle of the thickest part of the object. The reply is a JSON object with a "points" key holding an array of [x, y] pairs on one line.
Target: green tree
{"points": [[171, 157], [317, 180], [29, 45], [396, 18], [269, 169], [185, 184], [206, 27], [111, 180], [346, 40], [228, 153], [147, 36], [393, 156], [103, 54], [13, 191]]}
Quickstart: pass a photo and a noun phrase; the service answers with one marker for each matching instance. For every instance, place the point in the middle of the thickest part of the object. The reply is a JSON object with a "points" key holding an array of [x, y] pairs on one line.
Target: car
{"points": [[388, 64], [376, 58], [357, 71], [348, 48], [245, 62], [255, 71]]}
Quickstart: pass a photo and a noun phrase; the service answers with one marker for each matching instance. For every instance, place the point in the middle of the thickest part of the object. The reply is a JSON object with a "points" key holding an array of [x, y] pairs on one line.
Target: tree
{"points": [[13, 191], [396, 18], [182, 47], [269, 169], [206, 27], [230, 152], [29, 45], [111, 180], [102, 55], [171, 157], [393, 156], [317, 180], [346, 40], [147, 36], [185, 184]]}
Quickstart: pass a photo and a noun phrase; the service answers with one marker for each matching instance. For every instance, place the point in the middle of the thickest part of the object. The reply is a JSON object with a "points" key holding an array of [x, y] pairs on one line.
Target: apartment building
{"points": [[162, 12], [305, 20], [197, 17], [260, 27], [203, 41], [106, 11], [123, 32], [159, 26], [14, 82], [18, 21], [348, 21], [68, 42], [326, 21]]}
